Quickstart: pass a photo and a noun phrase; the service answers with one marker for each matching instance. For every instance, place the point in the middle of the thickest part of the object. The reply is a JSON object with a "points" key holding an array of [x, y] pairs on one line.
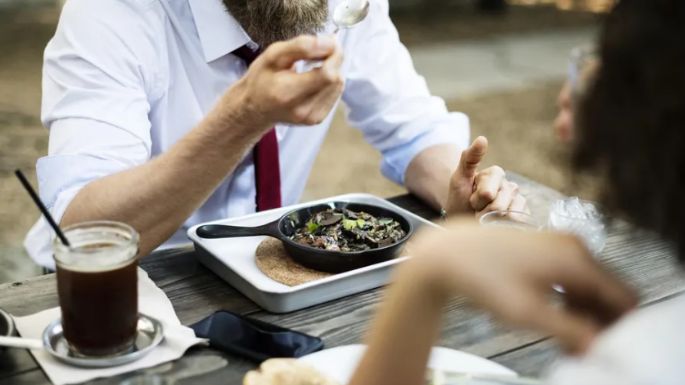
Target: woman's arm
{"points": [[404, 330], [506, 272]]}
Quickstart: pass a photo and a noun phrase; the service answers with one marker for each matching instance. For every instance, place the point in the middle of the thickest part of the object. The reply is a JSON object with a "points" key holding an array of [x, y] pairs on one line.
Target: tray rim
{"points": [[288, 290]]}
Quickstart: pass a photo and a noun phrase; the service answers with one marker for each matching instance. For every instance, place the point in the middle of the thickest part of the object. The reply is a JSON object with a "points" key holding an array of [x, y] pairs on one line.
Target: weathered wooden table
{"points": [[640, 258]]}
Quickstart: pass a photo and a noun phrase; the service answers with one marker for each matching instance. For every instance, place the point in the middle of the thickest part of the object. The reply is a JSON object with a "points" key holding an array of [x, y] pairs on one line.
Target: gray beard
{"points": [[269, 21]]}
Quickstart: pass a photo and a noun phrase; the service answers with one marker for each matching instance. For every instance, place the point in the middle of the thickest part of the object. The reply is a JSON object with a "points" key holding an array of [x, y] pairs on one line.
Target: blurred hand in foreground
{"points": [[481, 191], [511, 273]]}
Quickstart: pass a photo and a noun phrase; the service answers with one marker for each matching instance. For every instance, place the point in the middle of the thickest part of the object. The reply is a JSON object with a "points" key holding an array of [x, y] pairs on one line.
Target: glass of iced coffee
{"points": [[97, 283]]}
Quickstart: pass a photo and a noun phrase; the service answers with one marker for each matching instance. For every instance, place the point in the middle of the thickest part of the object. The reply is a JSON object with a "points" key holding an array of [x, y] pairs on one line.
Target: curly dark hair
{"points": [[632, 120]]}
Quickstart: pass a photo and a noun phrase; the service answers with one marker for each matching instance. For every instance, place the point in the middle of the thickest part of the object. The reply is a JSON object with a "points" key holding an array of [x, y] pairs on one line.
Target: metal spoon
{"points": [[350, 13], [22, 343], [346, 15], [150, 333]]}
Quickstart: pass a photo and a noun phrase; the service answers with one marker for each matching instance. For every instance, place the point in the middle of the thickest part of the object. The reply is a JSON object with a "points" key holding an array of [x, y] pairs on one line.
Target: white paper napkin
{"points": [[152, 302]]}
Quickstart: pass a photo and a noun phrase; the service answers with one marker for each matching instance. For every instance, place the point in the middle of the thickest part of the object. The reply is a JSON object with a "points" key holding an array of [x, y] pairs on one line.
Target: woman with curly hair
{"points": [[631, 133]]}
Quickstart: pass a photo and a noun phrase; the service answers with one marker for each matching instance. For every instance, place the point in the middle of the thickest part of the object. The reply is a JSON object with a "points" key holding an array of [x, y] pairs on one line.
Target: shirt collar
{"points": [[219, 32]]}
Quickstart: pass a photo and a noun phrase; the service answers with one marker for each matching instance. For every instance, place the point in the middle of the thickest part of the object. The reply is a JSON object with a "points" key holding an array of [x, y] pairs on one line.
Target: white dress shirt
{"points": [[123, 80]]}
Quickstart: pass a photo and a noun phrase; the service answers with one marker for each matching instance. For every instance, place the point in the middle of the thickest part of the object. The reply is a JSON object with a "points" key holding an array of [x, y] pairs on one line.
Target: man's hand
{"points": [[481, 191], [273, 92], [511, 273]]}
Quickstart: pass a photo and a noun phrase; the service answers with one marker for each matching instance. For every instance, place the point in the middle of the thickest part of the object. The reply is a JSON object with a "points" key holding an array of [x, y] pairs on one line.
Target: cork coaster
{"points": [[274, 261]]}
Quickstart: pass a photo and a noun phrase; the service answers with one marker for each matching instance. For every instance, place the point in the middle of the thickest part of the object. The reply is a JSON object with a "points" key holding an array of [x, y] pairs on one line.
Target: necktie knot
{"points": [[247, 54]]}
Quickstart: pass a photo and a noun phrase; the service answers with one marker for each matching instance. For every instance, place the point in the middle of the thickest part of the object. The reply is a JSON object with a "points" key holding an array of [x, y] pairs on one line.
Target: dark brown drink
{"points": [[97, 283], [99, 309]]}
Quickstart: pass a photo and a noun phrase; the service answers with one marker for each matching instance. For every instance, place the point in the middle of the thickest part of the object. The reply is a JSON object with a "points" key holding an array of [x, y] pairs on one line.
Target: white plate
{"points": [[339, 363]]}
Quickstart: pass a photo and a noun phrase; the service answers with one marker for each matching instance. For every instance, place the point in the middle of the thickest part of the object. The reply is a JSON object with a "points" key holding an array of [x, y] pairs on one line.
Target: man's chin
{"points": [[269, 21]]}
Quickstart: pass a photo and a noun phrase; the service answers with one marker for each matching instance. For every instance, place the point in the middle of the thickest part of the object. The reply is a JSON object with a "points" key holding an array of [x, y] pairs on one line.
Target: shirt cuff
{"points": [[57, 173], [38, 241], [60, 178], [397, 159]]}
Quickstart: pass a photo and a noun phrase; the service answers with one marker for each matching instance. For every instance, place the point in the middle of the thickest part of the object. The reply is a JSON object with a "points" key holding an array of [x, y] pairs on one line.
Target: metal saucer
{"points": [[150, 333]]}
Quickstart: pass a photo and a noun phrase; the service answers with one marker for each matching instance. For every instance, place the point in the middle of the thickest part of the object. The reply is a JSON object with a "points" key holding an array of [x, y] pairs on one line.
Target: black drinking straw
{"points": [[41, 206]]}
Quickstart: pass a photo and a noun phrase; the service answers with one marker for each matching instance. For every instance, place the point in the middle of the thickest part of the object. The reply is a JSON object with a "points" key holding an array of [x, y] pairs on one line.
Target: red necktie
{"points": [[265, 155]]}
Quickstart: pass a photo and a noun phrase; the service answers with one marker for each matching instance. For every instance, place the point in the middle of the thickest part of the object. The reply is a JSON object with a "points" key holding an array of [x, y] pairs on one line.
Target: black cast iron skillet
{"points": [[314, 258]]}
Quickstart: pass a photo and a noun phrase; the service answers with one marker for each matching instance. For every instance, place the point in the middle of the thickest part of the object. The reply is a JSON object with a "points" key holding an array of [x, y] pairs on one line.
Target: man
{"points": [[162, 114]]}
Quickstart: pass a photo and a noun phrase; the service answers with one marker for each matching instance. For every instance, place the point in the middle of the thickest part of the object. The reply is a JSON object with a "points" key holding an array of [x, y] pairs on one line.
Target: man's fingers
{"points": [[319, 106], [488, 184], [282, 55], [299, 91], [311, 82], [505, 197], [333, 63], [319, 89], [472, 156], [308, 84]]}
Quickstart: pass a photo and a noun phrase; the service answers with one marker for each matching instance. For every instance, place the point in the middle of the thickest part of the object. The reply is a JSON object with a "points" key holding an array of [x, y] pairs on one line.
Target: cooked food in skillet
{"points": [[348, 231]]}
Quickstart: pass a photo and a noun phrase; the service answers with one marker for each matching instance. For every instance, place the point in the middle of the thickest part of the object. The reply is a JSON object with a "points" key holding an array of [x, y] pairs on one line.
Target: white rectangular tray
{"points": [[233, 259]]}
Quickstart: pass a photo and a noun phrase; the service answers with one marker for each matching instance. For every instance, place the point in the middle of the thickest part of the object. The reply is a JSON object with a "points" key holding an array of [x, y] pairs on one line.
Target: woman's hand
{"points": [[511, 273]]}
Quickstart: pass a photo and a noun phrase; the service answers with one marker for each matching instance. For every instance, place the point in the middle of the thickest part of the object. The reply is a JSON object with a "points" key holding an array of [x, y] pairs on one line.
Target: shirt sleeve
{"points": [[100, 78], [389, 101]]}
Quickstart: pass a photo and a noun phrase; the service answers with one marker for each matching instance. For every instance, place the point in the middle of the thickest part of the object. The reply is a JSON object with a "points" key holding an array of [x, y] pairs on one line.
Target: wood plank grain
{"points": [[33, 377], [14, 361], [29, 296], [533, 360]]}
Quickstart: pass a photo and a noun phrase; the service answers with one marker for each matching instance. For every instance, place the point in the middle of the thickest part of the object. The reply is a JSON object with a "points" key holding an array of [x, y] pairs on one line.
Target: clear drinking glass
{"points": [[572, 215], [580, 218], [511, 219], [97, 284]]}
